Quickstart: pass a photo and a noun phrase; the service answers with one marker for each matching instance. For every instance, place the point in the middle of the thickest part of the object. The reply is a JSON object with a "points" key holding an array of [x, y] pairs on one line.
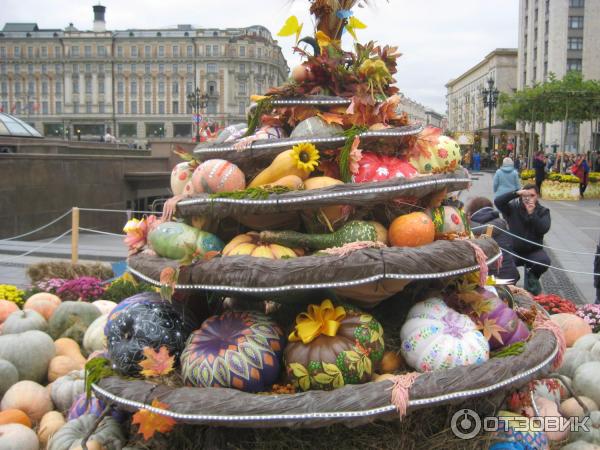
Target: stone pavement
{"points": [[575, 227]]}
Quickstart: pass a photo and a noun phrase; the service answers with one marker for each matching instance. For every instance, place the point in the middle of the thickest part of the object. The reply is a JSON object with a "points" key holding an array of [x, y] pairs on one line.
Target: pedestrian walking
{"points": [[506, 178], [480, 212], [539, 165], [529, 222], [476, 162], [581, 170]]}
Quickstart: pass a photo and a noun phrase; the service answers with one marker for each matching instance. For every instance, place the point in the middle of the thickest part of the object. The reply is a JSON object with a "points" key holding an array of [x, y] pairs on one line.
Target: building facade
{"points": [[556, 36], [466, 110], [418, 113], [135, 82]]}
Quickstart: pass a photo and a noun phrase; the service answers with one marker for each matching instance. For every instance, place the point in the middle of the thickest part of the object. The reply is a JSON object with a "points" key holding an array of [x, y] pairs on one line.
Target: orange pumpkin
{"points": [[411, 230], [14, 416], [30, 397], [62, 365], [6, 309], [573, 326], [43, 303], [248, 244]]}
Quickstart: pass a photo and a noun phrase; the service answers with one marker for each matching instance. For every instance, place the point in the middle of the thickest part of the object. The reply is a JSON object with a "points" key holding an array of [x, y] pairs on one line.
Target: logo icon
{"points": [[465, 424]]}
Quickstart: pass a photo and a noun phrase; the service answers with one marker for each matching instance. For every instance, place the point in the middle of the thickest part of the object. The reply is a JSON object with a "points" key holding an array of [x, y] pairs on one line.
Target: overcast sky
{"points": [[439, 39]]}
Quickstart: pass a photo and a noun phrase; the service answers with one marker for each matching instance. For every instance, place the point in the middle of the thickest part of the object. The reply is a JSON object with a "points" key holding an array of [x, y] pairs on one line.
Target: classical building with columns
{"points": [[133, 82]]}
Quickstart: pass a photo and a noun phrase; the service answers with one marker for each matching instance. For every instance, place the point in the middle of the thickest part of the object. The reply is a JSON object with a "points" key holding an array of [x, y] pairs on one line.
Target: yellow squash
{"points": [[283, 165]]}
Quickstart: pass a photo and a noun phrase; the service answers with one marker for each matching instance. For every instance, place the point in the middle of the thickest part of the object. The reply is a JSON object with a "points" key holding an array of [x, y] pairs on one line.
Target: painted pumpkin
{"points": [[180, 175], [411, 230], [449, 222], [249, 244], [82, 405], [217, 175], [332, 346], [239, 350], [144, 320], [175, 240], [436, 337], [442, 156], [573, 326], [520, 440], [374, 167]]}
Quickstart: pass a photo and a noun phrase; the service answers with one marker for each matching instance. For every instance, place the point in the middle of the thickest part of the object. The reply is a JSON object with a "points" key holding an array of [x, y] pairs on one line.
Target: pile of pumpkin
{"points": [[45, 342]]}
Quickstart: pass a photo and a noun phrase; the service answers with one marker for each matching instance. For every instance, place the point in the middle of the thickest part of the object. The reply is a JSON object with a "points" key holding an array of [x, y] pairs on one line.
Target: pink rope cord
{"points": [[544, 323], [352, 247], [482, 261], [402, 384]]}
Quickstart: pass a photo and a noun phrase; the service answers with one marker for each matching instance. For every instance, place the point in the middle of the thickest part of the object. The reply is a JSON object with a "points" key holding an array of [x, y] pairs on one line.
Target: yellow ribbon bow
{"points": [[324, 319]]}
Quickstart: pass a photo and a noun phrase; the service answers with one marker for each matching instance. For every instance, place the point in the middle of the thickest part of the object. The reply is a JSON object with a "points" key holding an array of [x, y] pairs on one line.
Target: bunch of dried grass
{"points": [[65, 270]]}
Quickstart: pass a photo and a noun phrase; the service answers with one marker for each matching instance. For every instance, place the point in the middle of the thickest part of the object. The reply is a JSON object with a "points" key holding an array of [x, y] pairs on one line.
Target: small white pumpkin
{"points": [[590, 343], [436, 337], [66, 389], [105, 306], [14, 436], [49, 425], [570, 407], [593, 435], [587, 380], [574, 357], [26, 320], [94, 339]]}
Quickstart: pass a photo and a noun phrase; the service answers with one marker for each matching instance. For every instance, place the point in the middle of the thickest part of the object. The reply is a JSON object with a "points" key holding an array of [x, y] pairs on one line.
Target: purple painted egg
{"points": [[240, 350], [82, 406]]}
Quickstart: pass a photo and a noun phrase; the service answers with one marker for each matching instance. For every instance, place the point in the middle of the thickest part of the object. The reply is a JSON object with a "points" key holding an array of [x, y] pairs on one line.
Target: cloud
{"points": [[439, 39]]}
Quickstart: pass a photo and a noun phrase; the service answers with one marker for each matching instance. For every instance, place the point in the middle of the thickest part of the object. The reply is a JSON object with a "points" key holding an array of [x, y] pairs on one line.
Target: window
{"points": [[161, 87], [188, 87], [2, 52], [57, 51], [44, 52], [30, 69], [242, 108], [242, 88], [242, 50], [211, 107], [133, 68], [175, 68], [575, 22], [57, 68], [545, 69], [4, 88], [76, 85], [212, 88], [260, 50], [17, 68], [127, 130], [44, 68], [134, 87], [207, 51], [574, 64], [88, 68], [88, 107], [58, 87], [134, 51], [190, 50], [30, 52], [155, 129], [575, 43], [119, 68], [147, 88], [161, 50], [30, 87], [175, 107], [134, 107], [161, 107], [120, 51], [215, 50], [546, 48], [260, 67], [17, 52], [147, 67], [74, 51], [161, 68], [175, 51], [120, 87], [101, 49], [58, 107], [88, 85], [190, 68], [75, 68], [147, 107], [147, 51], [101, 108], [211, 68], [100, 85], [75, 108], [576, 3], [87, 51], [242, 68], [18, 108], [120, 107], [3, 68], [44, 87], [175, 87], [45, 108]]}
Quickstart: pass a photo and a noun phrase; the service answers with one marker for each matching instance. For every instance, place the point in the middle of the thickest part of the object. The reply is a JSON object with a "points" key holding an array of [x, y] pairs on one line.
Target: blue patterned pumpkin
{"points": [[523, 439], [240, 350], [83, 405], [144, 320]]}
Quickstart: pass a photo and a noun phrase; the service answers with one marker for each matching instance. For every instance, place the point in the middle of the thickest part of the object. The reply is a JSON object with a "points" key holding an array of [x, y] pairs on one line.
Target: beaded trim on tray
{"points": [[331, 285], [288, 142], [203, 418], [279, 200]]}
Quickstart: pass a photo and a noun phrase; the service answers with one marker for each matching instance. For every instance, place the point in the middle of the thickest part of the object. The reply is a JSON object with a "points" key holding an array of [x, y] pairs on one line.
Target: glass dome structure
{"points": [[11, 126]]}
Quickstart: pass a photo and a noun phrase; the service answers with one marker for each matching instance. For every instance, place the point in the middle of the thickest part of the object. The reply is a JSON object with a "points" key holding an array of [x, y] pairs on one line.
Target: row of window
{"points": [[18, 87], [572, 4], [30, 107]]}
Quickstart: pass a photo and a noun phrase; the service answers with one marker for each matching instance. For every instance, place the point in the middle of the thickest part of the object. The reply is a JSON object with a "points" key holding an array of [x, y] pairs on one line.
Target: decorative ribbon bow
{"points": [[324, 319]]}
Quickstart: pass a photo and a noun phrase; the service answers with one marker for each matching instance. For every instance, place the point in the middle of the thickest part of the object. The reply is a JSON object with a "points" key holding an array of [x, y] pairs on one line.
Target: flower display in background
{"points": [[51, 285], [137, 232], [82, 288], [591, 314], [11, 293], [555, 304]]}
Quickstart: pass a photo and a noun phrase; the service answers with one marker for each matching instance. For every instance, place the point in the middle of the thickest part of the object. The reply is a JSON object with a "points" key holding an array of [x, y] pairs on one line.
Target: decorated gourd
{"points": [[71, 319], [21, 321], [441, 154], [180, 175], [511, 432], [83, 405], [436, 337], [144, 320], [30, 352], [108, 433], [217, 175], [374, 167], [43, 303], [332, 346], [175, 240], [449, 222], [250, 244], [411, 230], [354, 231], [238, 350]]}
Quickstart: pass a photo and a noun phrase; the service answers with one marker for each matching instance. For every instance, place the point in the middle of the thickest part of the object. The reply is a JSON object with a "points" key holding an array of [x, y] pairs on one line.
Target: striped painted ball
{"points": [[181, 174], [217, 175]]}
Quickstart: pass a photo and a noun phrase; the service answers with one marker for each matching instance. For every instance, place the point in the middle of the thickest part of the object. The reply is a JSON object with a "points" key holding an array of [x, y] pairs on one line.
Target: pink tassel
{"points": [[544, 323], [402, 384], [482, 261], [352, 247]]}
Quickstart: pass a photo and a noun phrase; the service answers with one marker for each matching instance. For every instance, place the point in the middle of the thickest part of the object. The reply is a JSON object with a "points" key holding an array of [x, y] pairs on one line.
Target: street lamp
{"points": [[197, 102], [490, 100]]}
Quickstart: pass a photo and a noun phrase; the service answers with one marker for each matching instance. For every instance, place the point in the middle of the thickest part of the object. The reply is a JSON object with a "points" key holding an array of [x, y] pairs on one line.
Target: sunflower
{"points": [[306, 156]]}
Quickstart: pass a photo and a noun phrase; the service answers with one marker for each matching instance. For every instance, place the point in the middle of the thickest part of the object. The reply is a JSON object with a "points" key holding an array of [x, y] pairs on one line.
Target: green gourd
{"points": [[354, 231]]}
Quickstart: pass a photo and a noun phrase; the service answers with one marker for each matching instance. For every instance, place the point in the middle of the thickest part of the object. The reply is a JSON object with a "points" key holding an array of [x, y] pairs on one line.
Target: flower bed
{"points": [[564, 186]]}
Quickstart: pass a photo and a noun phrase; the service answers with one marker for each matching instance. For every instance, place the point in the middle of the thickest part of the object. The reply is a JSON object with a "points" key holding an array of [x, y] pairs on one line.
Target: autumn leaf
{"points": [[482, 306], [332, 118], [151, 422], [156, 363], [491, 329]]}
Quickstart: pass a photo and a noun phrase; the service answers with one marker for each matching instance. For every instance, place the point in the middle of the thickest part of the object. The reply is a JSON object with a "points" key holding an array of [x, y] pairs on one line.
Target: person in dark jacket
{"points": [[529, 220], [481, 212], [539, 165]]}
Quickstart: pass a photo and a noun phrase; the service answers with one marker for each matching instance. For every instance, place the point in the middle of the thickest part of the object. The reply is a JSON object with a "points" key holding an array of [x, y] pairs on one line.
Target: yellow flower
{"points": [[131, 225], [306, 156]]}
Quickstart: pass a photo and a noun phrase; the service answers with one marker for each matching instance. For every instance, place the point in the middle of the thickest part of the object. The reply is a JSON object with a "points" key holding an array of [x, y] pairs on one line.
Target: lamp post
{"points": [[197, 101], [490, 100]]}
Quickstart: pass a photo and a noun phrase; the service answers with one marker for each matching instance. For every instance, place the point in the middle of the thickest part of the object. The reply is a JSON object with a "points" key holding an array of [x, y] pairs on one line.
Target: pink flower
{"points": [[137, 232], [355, 156]]}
